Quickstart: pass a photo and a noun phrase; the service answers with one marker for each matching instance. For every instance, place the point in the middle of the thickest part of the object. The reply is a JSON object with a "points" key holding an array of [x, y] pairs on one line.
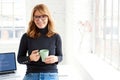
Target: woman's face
{"points": [[40, 20]]}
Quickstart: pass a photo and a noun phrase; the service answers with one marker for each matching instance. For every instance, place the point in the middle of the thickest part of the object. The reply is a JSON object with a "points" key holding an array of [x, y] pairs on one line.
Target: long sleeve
{"points": [[59, 48], [22, 52]]}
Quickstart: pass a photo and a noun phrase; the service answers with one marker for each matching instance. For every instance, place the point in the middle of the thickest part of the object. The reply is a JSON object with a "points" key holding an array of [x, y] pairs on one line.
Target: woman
{"points": [[40, 35]]}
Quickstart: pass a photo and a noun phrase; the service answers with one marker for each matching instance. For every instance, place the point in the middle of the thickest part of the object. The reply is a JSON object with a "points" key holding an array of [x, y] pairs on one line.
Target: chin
{"points": [[41, 27]]}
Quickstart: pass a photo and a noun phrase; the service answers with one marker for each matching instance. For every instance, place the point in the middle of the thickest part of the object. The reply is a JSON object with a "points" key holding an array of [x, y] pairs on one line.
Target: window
{"points": [[107, 31], [12, 19]]}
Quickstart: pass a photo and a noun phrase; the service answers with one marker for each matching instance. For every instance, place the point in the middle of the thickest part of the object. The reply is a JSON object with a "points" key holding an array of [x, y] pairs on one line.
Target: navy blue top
{"points": [[27, 45]]}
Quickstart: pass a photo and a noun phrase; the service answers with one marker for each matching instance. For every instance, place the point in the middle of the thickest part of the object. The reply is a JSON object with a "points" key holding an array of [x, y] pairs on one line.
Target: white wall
{"points": [[77, 11]]}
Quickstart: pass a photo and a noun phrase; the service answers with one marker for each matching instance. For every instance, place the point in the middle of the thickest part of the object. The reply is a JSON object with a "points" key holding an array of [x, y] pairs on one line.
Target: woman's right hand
{"points": [[34, 56]]}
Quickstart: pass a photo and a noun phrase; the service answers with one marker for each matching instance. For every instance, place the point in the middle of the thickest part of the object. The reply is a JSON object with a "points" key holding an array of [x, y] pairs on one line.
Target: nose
{"points": [[39, 19]]}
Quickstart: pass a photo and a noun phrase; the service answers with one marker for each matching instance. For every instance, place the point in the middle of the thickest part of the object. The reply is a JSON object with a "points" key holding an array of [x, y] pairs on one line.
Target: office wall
{"points": [[78, 25], [78, 16]]}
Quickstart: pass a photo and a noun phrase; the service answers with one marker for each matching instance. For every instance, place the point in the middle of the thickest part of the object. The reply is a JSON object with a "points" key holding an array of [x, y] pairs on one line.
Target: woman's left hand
{"points": [[51, 59]]}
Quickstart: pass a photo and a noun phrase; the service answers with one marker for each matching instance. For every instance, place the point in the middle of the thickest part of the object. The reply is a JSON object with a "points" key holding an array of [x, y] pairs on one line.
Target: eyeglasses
{"points": [[42, 17]]}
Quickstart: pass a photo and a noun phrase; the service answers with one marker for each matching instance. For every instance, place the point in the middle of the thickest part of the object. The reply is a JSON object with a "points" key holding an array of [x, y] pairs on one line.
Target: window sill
{"points": [[9, 41], [98, 69]]}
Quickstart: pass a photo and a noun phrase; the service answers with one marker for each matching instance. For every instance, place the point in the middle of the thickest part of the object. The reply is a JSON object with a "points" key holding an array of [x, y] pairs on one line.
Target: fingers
{"points": [[51, 59], [34, 56], [34, 51]]}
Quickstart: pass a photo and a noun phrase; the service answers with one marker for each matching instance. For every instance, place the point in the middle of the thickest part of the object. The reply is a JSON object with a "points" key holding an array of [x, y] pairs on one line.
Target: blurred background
{"points": [[90, 31]]}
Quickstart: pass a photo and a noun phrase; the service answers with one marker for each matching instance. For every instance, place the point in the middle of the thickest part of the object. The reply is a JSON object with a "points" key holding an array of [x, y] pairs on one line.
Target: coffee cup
{"points": [[44, 53]]}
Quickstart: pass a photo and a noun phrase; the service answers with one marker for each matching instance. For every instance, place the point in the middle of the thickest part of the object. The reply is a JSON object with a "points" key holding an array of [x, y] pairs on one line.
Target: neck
{"points": [[44, 30]]}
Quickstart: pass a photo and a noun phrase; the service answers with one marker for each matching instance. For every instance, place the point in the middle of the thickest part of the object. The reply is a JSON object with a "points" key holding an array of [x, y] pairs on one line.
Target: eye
{"points": [[40, 17]]}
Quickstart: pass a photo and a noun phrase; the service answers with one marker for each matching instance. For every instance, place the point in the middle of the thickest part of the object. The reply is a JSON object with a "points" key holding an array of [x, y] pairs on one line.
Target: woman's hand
{"points": [[34, 56], [51, 59]]}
